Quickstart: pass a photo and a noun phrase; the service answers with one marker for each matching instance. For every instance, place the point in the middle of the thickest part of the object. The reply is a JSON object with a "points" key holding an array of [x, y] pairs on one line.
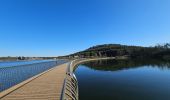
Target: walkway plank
{"points": [[46, 87]]}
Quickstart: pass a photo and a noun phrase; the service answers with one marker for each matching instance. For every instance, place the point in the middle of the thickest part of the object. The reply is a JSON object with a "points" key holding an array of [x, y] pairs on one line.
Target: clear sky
{"points": [[60, 27]]}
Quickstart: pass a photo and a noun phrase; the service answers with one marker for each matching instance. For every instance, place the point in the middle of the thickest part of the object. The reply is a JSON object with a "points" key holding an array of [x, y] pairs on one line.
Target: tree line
{"points": [[161, 51]]}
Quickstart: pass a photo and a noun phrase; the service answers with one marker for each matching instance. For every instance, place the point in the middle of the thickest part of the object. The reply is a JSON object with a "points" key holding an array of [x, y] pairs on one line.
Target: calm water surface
{"points": [[124, 80]]}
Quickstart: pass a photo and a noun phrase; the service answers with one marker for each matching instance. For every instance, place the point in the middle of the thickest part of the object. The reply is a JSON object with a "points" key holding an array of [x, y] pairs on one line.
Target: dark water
{"points": [[12, 75], [124, 80]]}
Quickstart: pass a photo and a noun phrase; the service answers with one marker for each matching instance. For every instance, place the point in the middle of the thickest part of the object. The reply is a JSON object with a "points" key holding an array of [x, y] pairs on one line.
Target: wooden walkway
{"points": [[47, 86]]}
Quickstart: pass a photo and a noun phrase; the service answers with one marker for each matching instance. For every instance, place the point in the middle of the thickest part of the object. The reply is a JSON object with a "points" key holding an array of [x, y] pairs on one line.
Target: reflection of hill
{"points": [[112, 65]]}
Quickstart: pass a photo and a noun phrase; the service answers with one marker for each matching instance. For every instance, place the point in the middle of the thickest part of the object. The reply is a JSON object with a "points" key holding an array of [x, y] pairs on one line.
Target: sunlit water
{"points": [[124, 80], [19, 63], [12, 73]]}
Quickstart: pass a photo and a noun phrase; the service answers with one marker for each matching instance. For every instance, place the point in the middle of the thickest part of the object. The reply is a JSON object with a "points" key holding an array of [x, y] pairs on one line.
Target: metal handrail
{"points": [[70, 91], [69, 74]]}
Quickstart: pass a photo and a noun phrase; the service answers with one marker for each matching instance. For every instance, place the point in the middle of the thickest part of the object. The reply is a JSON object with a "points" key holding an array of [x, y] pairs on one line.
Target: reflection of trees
{"points": [[112, 65]]}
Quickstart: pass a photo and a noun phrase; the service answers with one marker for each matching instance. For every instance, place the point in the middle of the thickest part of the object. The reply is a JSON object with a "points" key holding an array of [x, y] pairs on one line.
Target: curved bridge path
{"points": [[45, 86], [58, 83]]}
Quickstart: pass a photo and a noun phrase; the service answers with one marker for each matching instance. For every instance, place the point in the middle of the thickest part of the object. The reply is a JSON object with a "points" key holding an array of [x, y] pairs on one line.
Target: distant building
{"points": [[76, 56], [21, 58]]}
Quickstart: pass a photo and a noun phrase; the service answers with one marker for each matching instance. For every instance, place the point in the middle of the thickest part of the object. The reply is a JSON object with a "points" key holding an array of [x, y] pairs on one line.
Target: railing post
{"points": [[70, 86]]}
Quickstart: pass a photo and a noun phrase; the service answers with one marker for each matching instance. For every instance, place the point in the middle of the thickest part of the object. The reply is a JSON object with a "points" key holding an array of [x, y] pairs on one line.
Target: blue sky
{"points": [[60, 27]]}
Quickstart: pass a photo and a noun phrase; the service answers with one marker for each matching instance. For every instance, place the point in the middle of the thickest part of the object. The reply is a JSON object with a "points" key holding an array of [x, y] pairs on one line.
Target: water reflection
{"points": [[113, 65], [124, 80]]}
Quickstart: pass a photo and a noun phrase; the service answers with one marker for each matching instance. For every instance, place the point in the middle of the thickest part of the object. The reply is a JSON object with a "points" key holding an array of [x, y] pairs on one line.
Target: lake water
{"points": [[12, 73], [124, 80], [20, 63]]}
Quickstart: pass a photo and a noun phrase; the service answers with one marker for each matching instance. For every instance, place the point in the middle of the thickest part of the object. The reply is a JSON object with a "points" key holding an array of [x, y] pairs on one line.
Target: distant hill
{"points": [[112, 50]]}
